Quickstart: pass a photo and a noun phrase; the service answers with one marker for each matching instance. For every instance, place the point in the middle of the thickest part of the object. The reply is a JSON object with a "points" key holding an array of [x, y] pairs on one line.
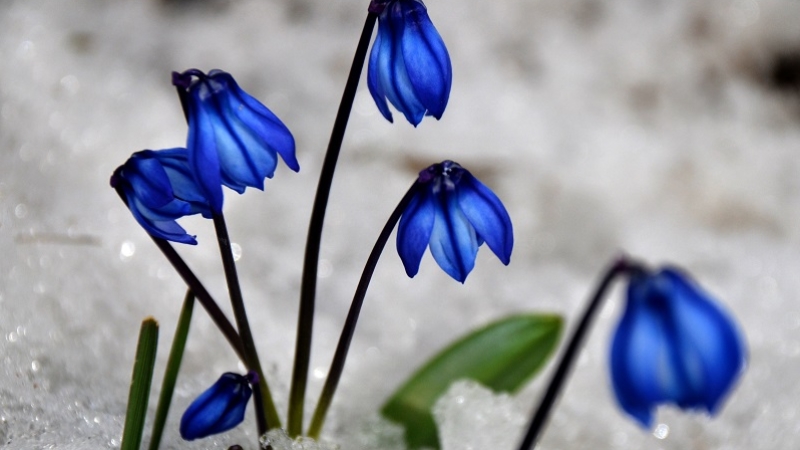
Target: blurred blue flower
{"points": [[218, 409], [409, 64], [159, 188], [453, 213], [675, 345], [233, 139]]}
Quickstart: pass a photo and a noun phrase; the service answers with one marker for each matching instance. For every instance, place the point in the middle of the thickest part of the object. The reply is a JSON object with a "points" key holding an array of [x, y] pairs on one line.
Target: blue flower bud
{"points": [[233, 140], [454, 214], [159, 188], [409, 64], [674, 345], [218, 409]]}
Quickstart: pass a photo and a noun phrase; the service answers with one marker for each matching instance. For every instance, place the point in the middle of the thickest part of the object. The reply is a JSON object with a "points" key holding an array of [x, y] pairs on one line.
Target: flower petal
{"points": [[426, 60], [381, 49], [218, 409], [203, 149], [147, 179], [453, 242], [395, 77], [274, 135], [164, 229], [710, 347], [414, 231], [487, 215]]}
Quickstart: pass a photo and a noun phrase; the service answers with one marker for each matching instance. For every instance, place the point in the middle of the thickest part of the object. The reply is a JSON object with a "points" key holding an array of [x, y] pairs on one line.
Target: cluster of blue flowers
{"points": [[233, 141], [674, 344]]}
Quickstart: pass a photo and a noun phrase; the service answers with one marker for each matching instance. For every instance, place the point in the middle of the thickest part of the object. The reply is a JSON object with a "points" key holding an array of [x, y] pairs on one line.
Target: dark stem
{"points": [[266, 413], [308, 287], [621, 266], [199, 290], [337, 365]]}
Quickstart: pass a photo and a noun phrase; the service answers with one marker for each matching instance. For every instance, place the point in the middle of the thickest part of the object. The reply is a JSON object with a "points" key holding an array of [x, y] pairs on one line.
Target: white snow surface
{"points": [[643, 126]]}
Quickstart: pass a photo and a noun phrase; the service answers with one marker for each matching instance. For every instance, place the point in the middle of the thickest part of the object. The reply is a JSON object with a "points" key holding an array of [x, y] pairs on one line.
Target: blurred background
{"points": [[668, 130]]}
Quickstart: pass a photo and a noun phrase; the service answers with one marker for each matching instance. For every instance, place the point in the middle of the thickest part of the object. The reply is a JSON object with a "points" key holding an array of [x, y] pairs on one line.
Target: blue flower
{"points": [[218, 409], [233, 139], [409, 64], [675, 345], [159, 188], [453, 213]]}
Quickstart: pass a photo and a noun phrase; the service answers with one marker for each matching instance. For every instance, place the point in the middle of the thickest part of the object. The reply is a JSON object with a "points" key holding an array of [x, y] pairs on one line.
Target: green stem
{"points": [[173, 367], [141, 380], [266, 413], [621, 266], [200, 292], [308, 286], [337, 364]]}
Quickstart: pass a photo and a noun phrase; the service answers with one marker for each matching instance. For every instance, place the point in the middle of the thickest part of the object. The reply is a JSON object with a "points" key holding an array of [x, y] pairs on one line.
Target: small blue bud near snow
{"points": [[159, 188], [219, 408], [234, 140], [409, 64], [673, 345], [452, 213]]}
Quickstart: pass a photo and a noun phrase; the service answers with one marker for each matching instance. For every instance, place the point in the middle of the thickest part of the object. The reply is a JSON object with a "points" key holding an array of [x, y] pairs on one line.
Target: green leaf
{"points": [[171, 372], [502, 356], [140, 385]]}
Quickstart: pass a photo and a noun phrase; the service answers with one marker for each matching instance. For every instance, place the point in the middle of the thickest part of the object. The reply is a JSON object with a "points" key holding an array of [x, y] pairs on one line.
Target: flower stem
{"points": [[337, 364], [199, 290], [621, 266], [266, 413], [308, 287]]}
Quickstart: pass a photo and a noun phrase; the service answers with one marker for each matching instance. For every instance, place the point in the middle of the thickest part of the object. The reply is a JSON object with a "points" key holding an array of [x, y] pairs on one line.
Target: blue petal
{"points": [[641, 361], [176, 165], [394, 75], [414, 230], [164, 229], [275, 136], [426, 60], [711, 350], [453, 242], [218, 409], [203, 151], [148, 179], [380, 49], [487, 215]]}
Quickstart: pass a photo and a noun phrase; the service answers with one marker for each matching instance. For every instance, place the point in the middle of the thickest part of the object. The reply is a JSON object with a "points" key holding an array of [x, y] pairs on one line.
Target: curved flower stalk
{"points": [[159, 188], [409, 64], [674, 344], [234, 140], [219, 408], [454, 214]]}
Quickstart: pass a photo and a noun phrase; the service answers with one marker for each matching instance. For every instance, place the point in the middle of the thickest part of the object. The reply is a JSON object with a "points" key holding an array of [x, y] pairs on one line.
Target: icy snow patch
{"points": [[470, 416]]}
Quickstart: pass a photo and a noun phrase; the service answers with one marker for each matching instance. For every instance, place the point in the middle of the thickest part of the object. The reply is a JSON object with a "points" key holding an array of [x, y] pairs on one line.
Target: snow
{"points": [[644, 126]]}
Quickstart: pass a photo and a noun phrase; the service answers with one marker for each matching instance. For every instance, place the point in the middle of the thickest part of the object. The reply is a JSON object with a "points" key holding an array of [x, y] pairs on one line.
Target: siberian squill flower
{"points": [[674, 345], [453, 213], [159, 188], [409, 64], [233, 140], [219, 408]]}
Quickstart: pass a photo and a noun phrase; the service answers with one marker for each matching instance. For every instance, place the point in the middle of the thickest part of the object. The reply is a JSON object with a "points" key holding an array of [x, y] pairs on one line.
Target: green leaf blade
{"points": [[141, 380], [502, 356]]}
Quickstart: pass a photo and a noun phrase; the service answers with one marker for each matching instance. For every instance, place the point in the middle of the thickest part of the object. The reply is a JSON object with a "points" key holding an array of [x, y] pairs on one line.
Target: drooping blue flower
{"points": [[454, 214], [409, 64], [159, 188], [218, 409], [674, 345], [233, 140]]}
